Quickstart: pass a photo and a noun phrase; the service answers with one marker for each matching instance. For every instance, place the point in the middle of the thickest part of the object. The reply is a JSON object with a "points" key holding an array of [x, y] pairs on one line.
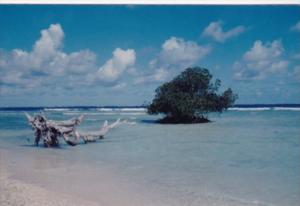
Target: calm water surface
{"points": [[248, 157]]}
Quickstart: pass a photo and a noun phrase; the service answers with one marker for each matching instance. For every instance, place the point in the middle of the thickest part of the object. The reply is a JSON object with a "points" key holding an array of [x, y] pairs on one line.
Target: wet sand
{"points": [[66, 186]]}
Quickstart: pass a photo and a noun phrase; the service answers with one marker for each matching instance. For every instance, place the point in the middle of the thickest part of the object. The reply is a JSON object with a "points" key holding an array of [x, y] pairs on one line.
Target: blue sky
{"points": [[118, 55]]}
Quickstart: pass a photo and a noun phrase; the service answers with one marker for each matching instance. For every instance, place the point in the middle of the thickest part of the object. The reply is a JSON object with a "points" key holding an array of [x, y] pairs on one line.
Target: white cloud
{"points": [[112, 70], [158, 75], [50, 42], [260, 60], [47, 65], [296, 27], [178, 51], [215, 31], [260, 52], [176, 54], [45, 61]]}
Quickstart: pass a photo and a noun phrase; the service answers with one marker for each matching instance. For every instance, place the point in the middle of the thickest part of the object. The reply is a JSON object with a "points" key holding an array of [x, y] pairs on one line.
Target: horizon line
{"points": [[143, 106], [151, 2]]}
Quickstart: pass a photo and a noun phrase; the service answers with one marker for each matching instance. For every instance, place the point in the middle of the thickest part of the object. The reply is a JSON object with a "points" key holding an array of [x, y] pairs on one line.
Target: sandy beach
{"points": [[16, 193], [71, 190]]}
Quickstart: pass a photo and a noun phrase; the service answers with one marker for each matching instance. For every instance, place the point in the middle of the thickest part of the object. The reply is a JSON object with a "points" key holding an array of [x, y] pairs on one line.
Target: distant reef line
{"points": [[140, 106]]}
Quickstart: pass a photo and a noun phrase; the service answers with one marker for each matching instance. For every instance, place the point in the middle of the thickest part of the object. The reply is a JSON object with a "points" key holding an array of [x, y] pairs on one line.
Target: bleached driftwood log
{"points": [[50, 131], [93, 136]]}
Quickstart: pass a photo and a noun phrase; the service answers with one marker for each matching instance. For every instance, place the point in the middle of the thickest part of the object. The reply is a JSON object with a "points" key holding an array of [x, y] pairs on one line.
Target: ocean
{"points": [[248, 155]]}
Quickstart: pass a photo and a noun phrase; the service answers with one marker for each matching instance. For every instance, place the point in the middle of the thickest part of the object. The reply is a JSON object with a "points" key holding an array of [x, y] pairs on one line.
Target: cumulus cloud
{"points": [[46, 59], [296, 27], [157, 75], [47, 64], [260, 60], [176, 54], [50, 41], [113, 69], [178, 51], [215, 31]]}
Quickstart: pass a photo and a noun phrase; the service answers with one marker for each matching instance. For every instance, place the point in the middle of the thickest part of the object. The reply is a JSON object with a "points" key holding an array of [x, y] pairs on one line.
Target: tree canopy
{"points": [[189, 97]]}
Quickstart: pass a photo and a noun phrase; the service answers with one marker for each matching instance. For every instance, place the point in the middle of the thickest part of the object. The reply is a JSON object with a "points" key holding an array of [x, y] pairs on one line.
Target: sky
{"points": [[118, 55]]}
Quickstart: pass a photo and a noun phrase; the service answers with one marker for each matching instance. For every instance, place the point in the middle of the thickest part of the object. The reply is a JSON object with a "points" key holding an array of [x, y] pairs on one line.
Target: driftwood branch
{"points": [[93, 136], [49, 131]]}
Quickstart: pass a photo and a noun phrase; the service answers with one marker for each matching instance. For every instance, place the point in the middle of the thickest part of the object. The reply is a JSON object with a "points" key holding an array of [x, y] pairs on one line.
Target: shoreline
{"points": [[14, 192]]}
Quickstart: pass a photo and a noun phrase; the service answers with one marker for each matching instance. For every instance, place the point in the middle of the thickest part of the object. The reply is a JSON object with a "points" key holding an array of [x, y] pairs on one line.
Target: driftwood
{"points": [[49, 131], [93, 136]]}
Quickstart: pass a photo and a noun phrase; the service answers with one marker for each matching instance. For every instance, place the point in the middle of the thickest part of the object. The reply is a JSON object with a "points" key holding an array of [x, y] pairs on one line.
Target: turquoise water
{"points": [[245, 156]]}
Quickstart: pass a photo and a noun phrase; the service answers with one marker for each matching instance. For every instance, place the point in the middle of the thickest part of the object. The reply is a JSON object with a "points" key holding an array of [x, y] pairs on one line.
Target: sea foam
{"points": [[58, 109], [287, 108], [249, 108]]}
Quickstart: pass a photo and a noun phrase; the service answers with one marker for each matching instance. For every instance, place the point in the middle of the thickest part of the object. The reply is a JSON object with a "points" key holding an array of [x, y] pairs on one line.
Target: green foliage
{"points": [[190, 96]]}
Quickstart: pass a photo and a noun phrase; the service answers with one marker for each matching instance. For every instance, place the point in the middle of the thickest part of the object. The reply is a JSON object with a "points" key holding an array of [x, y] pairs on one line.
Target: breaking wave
{"points": [[140, 110], [264, 109], [249, 109], [57, 109], [287, 108], [121, 109]]}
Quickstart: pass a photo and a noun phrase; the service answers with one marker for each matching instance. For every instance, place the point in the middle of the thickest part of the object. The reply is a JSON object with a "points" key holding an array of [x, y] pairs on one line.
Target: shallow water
{"points": [[243, 157]]}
